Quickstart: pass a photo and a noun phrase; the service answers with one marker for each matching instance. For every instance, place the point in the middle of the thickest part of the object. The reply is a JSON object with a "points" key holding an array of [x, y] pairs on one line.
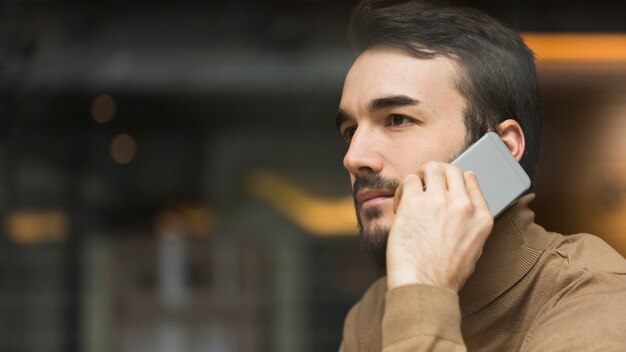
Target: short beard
{"points": [[374, 242], [373, 238]]}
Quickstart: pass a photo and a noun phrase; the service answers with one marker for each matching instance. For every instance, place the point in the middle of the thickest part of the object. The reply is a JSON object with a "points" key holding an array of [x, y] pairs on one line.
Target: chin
{"points": [[380, 222], [383, 219], [373, 238]]}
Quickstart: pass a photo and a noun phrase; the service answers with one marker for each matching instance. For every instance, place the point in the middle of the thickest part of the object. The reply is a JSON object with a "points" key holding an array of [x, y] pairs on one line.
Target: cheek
{"points": [[410, 156]]}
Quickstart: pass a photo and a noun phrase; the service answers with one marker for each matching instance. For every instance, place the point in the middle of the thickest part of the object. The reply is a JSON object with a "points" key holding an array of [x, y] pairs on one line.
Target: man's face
{"points": [[396, 112]]}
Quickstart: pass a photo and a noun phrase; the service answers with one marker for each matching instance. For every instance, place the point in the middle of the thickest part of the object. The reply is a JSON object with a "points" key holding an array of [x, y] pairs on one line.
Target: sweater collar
{"points": [[514, 246]]}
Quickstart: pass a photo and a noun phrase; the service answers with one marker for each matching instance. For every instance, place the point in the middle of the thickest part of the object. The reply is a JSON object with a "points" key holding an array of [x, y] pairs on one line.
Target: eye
{"points": [[398, 120], [348, 133]]}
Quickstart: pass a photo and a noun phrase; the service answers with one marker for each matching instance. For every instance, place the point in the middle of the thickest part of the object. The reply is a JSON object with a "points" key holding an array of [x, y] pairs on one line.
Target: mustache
{"points": [[374, 181]]}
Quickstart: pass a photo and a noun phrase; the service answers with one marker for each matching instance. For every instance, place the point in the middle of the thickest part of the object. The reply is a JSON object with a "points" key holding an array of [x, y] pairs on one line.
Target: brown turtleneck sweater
{"points": [[532, 290]]}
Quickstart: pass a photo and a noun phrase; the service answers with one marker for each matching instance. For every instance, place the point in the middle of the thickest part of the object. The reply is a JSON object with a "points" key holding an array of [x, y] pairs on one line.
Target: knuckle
{"points": [[455, 168], [411, 184], [464, 206], [440, 199], [433, 166], [487, 219], [409, 178]]}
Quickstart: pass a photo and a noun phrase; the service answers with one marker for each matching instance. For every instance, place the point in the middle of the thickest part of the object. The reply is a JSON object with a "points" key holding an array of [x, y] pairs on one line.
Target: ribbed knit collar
{"points": [[514, 246]]}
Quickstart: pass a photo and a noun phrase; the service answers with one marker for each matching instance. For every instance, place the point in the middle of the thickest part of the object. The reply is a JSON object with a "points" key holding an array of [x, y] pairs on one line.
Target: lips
{"points": [[373, 197]]}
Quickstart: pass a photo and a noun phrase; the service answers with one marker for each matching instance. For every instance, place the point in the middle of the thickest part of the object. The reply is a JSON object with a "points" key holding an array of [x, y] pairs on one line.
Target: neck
{"points": [[511, 250]]}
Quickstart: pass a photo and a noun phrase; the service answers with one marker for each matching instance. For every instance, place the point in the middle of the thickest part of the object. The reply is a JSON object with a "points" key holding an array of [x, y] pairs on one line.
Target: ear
{"points": [[511, 133]]}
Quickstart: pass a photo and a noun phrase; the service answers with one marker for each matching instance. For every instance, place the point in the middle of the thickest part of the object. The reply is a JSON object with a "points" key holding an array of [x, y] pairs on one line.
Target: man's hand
{"points": [[441, 224]]}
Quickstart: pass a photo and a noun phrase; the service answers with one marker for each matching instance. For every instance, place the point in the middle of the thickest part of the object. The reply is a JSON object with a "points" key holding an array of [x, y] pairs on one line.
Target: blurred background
{"points": [[171, 177]]}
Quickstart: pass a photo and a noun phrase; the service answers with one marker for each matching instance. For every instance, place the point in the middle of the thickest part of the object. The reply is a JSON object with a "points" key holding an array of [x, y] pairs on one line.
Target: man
{"points": [[427, 83]]}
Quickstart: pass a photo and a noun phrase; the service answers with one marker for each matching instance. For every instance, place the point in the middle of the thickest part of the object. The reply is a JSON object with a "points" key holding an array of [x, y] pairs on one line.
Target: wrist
{"points": [[399, 279]]}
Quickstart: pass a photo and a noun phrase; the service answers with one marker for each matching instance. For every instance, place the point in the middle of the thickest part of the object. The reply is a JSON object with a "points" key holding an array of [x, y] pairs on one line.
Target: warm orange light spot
{"points": [[37, 226], [103, 108], [123, 148], [318, 216], [194, 220], [591, 48]]}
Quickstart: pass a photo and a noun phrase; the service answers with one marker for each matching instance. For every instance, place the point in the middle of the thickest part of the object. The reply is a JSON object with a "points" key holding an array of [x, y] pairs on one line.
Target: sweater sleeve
{"points": [[590, 316], [422, 318]]}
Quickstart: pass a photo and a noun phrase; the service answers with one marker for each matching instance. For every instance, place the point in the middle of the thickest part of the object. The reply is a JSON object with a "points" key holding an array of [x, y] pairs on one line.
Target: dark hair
{"points": [[497, 70]]}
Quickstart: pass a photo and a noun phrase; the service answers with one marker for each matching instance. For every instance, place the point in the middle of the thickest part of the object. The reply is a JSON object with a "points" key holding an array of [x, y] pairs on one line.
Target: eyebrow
{"points": [[392, 101]]}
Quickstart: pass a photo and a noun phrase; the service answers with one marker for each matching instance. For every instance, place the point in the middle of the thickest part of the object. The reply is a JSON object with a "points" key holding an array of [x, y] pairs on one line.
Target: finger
{"points": [[434, 177], [473, 190], [455, 180], [412, 184], [397, 197]]}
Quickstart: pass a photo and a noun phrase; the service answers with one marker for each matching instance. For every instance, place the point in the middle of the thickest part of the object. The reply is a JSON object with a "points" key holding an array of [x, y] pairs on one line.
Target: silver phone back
{"points": [[501, 178]]}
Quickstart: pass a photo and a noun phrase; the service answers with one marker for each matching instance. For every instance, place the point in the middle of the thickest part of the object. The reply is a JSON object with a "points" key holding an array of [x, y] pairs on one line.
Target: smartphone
{"points": [[501, 178]]}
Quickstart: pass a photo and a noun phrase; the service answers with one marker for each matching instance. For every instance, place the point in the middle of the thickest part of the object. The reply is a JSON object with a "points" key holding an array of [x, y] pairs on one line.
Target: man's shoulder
{"points": [[583, 266], [585, 309], [589, 253], [362, 324], [376, 291], [373, 297]]}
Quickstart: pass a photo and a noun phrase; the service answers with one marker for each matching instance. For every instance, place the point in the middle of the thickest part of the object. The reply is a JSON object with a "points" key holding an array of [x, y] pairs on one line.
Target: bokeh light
{"points": [[103, 108], [123, 148]]}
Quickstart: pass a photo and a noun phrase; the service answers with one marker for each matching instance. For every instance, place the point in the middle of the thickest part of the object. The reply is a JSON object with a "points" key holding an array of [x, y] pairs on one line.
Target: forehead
{"points": [[387, 71]]}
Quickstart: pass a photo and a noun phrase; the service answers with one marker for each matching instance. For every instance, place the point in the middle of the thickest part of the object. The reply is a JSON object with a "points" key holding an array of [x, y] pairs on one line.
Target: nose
{"points": [[362, 156]]}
